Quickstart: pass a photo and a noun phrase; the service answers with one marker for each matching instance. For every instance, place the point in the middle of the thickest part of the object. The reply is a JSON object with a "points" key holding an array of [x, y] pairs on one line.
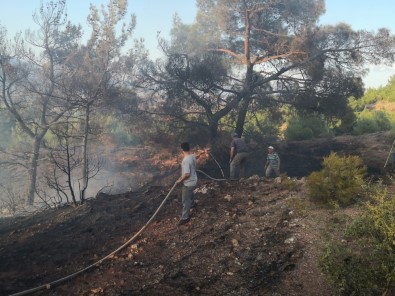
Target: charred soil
{"points": [[247, 237]]}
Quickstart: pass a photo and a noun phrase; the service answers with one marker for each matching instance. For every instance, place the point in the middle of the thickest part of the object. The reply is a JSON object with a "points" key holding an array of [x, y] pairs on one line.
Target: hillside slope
{"points": [[253, 237], [248, 237]]}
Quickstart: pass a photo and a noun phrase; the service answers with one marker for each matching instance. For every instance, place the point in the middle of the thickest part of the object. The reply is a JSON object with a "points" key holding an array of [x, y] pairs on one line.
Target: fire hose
{"points": [[389, 154], [214, 179]]}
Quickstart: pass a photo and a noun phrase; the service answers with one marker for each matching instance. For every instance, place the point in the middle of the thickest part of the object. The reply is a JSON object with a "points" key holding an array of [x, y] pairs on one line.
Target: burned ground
{"points": [[249, 237]]}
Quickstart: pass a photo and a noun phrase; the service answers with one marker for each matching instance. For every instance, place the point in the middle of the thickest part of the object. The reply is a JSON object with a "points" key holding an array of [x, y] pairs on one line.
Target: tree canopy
{"points": [[273, 52]]}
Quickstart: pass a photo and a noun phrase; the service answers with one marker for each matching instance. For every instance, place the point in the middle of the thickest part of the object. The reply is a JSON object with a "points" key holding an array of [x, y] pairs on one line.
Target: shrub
{"points": [[365, 126], [365, 265], [307, 127], [371, 122], [339, 181], [383, 122], [289, 183], [298, 132], [121, 135]]}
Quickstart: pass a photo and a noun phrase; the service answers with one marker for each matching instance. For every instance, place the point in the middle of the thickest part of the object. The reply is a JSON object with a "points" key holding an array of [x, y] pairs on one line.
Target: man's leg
{"points": [[235, 165], [276, 171], [232, 169], [268, 172], [187, 196], [243, 163]]}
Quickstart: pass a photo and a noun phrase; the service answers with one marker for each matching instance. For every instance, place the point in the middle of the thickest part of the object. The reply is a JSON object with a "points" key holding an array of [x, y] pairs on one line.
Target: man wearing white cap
{"points": [[272, 163]]}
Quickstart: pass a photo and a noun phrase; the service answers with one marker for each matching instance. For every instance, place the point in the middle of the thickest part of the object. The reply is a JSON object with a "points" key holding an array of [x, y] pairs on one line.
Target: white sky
{"points": [[157, 15]]}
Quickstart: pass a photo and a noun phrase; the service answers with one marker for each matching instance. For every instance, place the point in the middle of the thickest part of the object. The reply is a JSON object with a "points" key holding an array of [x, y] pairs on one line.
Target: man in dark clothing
{"points": [[238, 156]]}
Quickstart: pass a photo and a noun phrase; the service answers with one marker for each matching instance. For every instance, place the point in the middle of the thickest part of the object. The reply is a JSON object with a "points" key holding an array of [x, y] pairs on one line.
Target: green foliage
{"points": [[339, 181], [296, 132], [391, 118], [120, 134], [19, 141], [346, 123], [371, 122], [365, 265], [261, 124], [373, 95], [358, 105], [382, 120], [307, 127], [51, 139], [389, 90]]}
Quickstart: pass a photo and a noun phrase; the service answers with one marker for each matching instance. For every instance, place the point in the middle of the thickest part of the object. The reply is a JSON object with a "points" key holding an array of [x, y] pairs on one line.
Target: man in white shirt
{"points": [[189, 180]]}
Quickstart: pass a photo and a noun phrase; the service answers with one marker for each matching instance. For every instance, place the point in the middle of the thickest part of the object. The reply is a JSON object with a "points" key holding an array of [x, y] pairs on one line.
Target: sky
{"points": [[155, 16]]}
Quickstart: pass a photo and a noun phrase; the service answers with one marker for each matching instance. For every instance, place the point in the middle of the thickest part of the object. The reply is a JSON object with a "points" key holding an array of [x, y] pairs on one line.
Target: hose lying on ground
{"points": [[51, 284], [210, 177], [56, 282]]}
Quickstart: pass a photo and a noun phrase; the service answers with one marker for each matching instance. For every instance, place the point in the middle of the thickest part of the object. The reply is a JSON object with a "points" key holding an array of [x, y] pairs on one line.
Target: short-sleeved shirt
{"points": [[239, 145], [188, 166], [273, 159]]}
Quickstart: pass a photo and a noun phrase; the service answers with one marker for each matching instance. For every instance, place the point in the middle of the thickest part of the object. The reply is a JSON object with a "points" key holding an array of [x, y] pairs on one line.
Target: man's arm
{"points": [[232, 153], [183, 178], [267, 162]]}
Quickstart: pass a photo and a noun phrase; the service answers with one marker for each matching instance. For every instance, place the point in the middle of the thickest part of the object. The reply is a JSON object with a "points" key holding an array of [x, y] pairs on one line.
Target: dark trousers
{"points": [[187, 200]]}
